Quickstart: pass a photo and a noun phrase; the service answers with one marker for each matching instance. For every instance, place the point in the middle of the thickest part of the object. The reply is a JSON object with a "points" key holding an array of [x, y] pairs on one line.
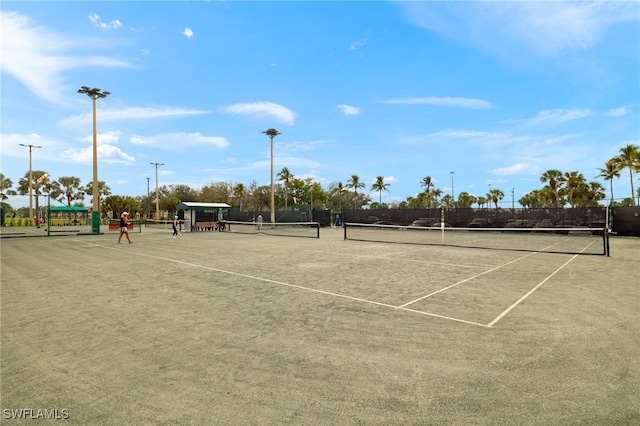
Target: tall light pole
{"points": [[272, 133], [95, 94], [513, 201], [148, 205], [157, 197], [453, 195], [30, 180]]}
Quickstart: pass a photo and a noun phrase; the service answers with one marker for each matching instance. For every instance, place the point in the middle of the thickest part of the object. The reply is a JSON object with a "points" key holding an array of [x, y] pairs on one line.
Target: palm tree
{"points": [[482, 201], [527, 200], [71, 188], [285, 176], [437, 193], [573, 182], [427, 183], [466, 200], [354, 182], [41, 185], [611, 169], [380, 186], [447, 201], [5, 184], [103, 189], [337, 191], [593, 192], [554, 178], [495, 195], [239, 192], [629, 158]]}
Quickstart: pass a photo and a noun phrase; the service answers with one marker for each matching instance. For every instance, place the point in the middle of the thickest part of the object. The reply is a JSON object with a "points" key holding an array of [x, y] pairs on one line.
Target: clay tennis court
{"points": [[227, 328]]}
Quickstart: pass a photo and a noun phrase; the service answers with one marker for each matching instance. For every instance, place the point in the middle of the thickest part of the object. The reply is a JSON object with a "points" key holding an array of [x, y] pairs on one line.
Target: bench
{"points": [[206, 226]]}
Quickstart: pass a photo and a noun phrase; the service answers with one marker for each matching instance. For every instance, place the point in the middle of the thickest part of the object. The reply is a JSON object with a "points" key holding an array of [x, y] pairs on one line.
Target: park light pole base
{"points": [[95, 222]]}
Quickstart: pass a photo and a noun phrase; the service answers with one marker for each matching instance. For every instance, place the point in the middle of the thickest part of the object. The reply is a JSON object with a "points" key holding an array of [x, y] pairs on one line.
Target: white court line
{"points": [[442, 316], [357, 299], [328, 293], [487, 271], [465, 280], [392, 257], [314, 290], [499, 317]]}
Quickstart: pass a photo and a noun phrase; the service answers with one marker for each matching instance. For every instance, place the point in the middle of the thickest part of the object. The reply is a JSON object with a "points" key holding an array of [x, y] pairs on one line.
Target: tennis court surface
{"points": [[249, 328]]}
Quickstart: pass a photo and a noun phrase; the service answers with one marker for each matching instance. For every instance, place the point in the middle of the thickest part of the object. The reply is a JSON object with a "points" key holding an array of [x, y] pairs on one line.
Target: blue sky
{"points": [[496, 92]]}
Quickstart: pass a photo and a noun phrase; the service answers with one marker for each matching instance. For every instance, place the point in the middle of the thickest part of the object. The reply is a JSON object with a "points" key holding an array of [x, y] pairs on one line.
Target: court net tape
{"points": [[285, 229], [573, 240], [159, 223]]}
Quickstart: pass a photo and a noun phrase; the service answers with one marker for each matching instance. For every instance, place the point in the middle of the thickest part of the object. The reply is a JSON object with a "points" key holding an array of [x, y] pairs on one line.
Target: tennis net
{"points": [[570, 240], [158, 223], [134, 225], [285, 229]]}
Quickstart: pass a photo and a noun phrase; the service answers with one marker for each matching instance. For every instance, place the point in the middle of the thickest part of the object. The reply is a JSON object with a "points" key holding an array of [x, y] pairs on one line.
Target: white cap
{"points": [[125, 214]]}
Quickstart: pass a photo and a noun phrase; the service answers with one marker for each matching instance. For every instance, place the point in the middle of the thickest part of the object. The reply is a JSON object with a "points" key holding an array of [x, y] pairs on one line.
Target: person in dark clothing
{"points": [[176, 234]]}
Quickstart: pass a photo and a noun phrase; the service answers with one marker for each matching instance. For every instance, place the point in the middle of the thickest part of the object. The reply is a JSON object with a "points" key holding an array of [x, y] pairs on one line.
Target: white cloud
{"points": [[556, 116], [295, 146], [444, 101], [363, 41], [349, 110], [112, 137], [187, 32], [37, 56], [262, 109], [516, 169], [553, 140], [546, 28], [359, 43], [10, 144], [106, 153], [289, 162], [476, 137], [387, 179], [134, 113], [180, 140], [315, 176], [472, 134], [95, 20], [617, 112]]}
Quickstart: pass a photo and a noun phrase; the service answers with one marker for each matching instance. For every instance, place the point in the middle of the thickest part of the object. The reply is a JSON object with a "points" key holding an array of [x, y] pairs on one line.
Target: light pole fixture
{"points": [[157, 197], [95, 94], [272, 133], [30, 179], [453, 195]]}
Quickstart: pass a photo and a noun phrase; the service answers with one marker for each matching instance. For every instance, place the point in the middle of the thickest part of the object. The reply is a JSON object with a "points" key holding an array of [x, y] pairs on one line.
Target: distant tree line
{"points": [[559, 189]]}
